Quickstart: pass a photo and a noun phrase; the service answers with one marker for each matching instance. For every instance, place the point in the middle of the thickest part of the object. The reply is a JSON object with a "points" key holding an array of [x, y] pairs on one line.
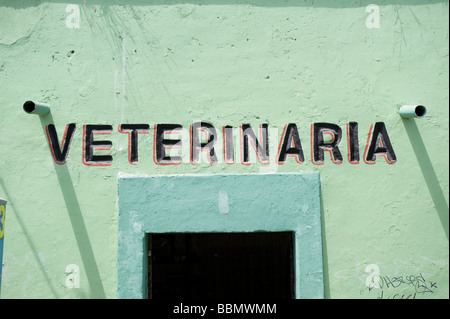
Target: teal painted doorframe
{"points": [[219, 203]]}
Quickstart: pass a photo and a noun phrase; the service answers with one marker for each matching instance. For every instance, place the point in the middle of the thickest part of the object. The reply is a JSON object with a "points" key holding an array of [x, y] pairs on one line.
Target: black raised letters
{"points": [[90, 145], [133, 130], [319, 145], [60, 153], [291, 145], [261, 148], [380, 145], [197, 146], [161, 144]]}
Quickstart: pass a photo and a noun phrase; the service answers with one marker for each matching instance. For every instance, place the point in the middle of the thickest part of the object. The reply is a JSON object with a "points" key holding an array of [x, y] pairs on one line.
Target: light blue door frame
{"points": [[219, 203]]}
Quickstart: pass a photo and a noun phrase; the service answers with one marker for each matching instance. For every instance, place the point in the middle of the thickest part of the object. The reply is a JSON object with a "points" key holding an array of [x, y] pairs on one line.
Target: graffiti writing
{"points": [[415, 285]]}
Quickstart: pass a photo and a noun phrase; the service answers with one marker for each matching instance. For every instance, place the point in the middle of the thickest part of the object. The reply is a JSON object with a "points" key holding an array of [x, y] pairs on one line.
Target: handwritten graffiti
{"points": [[397, 287], [414, 284], [419, 283]]}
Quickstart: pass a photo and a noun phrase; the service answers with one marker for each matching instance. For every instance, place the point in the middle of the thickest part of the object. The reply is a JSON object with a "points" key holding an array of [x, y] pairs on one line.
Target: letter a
{"points": [[73, 19], [380, 145]]}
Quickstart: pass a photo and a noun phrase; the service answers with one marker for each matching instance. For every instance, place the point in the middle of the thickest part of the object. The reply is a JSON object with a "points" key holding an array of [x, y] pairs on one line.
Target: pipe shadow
{"points": [[326, 271], [12, 207], [77, 221], [428, 172]]}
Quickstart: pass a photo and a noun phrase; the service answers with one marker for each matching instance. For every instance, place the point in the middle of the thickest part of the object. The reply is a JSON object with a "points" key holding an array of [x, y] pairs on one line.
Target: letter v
{"points": [[60, 153]]}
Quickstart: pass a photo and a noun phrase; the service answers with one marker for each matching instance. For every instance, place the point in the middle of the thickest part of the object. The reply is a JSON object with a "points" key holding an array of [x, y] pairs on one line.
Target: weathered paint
{"points": [[177, 204], [104, 62]]}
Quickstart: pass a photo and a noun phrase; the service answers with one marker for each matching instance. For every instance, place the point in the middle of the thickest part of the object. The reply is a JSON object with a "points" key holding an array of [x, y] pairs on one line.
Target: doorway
{"points": [[183, 207], [250, 265]]}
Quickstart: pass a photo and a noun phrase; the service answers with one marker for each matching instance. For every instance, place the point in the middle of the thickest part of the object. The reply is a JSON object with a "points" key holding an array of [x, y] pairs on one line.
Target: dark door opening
{"points": [[221, 265]]}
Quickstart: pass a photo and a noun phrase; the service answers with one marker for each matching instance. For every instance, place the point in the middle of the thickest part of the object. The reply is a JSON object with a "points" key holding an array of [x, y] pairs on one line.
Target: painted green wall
{"points": [[226, 63]]}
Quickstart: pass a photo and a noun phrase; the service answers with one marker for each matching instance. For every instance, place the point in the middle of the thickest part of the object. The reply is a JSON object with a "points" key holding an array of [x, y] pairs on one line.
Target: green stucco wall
{"points": [[226, 63], [221, 203]]}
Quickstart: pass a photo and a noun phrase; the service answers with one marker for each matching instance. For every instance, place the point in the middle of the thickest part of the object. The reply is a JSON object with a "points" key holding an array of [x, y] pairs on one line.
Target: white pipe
{"points": [[38, 108], [411, 111]]}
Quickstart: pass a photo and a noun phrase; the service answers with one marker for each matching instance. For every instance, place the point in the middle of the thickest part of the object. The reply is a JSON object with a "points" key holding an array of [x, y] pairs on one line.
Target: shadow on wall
{"points": [[326, 271], [76, 219], [257, 3], [428, 172], [17, 214]]}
